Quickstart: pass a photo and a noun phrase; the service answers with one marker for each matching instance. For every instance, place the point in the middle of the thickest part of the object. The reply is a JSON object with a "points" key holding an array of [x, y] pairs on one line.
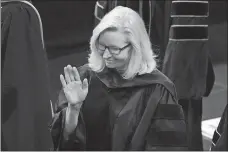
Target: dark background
{"points": [[68, 25]]}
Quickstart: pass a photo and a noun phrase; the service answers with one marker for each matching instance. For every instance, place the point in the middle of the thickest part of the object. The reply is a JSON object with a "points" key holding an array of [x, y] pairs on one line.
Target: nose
{"points": [[106, 54]]}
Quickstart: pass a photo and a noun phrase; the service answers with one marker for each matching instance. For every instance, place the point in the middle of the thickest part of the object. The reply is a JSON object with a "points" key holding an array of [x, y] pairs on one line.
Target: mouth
{"points": [[108, 61]]}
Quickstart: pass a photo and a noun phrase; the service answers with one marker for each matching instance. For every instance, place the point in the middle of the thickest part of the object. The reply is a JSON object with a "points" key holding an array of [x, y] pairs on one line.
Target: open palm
{"points": [[74, 89]]}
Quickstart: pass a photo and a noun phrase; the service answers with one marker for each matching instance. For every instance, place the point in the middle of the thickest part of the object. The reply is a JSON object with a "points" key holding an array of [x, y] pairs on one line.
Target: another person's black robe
{"points": [[25, 102], [117, 115], [219, 140], [187, 63]]}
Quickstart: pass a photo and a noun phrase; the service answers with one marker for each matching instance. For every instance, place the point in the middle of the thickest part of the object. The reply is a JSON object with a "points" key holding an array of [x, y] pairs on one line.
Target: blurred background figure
{"points": [[187, 63], [25, 102]]}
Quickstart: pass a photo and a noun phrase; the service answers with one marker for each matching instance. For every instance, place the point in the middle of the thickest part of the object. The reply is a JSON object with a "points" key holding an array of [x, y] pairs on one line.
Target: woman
{"points": [[119, 100], [155, 14]]}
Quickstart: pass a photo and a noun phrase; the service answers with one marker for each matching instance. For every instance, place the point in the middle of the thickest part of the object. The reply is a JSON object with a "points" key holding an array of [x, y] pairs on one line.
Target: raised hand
{"points": [[75, 90]]}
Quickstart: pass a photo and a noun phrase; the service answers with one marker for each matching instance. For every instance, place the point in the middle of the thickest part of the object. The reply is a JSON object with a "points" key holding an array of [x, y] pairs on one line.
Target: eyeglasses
{"points": [[112, 50]]}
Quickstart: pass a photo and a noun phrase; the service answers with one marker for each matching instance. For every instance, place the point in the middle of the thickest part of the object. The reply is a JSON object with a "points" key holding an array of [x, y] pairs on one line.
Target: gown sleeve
{"points": [[77, 139], [167, 130]]}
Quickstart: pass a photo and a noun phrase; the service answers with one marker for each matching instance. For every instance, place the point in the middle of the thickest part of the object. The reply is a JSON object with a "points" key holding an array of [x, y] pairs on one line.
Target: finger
{"points": [[76, 74], [63, 81], [85, 84], [70, 71], [67, 76]]}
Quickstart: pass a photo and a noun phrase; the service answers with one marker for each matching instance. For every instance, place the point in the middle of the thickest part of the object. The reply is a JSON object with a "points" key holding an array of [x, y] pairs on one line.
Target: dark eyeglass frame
{"points": [[110, 49]]}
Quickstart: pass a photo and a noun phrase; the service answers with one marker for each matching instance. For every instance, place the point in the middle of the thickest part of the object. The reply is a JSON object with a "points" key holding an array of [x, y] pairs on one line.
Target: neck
{"points": [[121, 70]]}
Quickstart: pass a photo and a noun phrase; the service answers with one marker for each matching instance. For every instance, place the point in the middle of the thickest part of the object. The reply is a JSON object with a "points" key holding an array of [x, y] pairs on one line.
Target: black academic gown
{"points": [[117, 115], [25, 101]]}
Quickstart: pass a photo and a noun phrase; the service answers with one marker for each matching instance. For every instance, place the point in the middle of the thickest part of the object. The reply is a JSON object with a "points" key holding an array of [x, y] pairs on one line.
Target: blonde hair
{"points": [[142, 58]]}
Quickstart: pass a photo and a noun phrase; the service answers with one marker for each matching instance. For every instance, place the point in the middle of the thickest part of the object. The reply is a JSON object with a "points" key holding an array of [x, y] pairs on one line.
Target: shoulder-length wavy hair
{"points": [[142, 58]]}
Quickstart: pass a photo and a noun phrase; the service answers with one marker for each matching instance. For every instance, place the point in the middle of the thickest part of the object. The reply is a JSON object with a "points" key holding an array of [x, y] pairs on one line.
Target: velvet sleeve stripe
{"points": [[169, 111], [168, 129], [167, 138], [190, 8], [194, 21], [168, 125], [189, 32], [166, 148]]}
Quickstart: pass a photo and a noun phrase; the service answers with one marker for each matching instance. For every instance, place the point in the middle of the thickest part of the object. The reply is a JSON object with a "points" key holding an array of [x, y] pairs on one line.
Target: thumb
{"points": [[85, 84]]}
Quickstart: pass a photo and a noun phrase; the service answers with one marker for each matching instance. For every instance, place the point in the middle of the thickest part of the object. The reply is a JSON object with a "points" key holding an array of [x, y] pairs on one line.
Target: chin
{"points": [[110, 66]]}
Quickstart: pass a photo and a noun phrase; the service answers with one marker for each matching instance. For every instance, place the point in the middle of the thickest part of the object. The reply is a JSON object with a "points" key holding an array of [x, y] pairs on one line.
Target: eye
{"points": [[114, 49], [101, 47]]}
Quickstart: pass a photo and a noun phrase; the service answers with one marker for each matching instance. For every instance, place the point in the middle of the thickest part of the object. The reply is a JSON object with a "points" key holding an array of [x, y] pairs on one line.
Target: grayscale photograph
{"points": [[114, 75]]}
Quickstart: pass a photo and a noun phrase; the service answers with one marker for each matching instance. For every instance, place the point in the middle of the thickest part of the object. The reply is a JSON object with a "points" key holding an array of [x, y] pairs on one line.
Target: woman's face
{"points": [[115, 49]]}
